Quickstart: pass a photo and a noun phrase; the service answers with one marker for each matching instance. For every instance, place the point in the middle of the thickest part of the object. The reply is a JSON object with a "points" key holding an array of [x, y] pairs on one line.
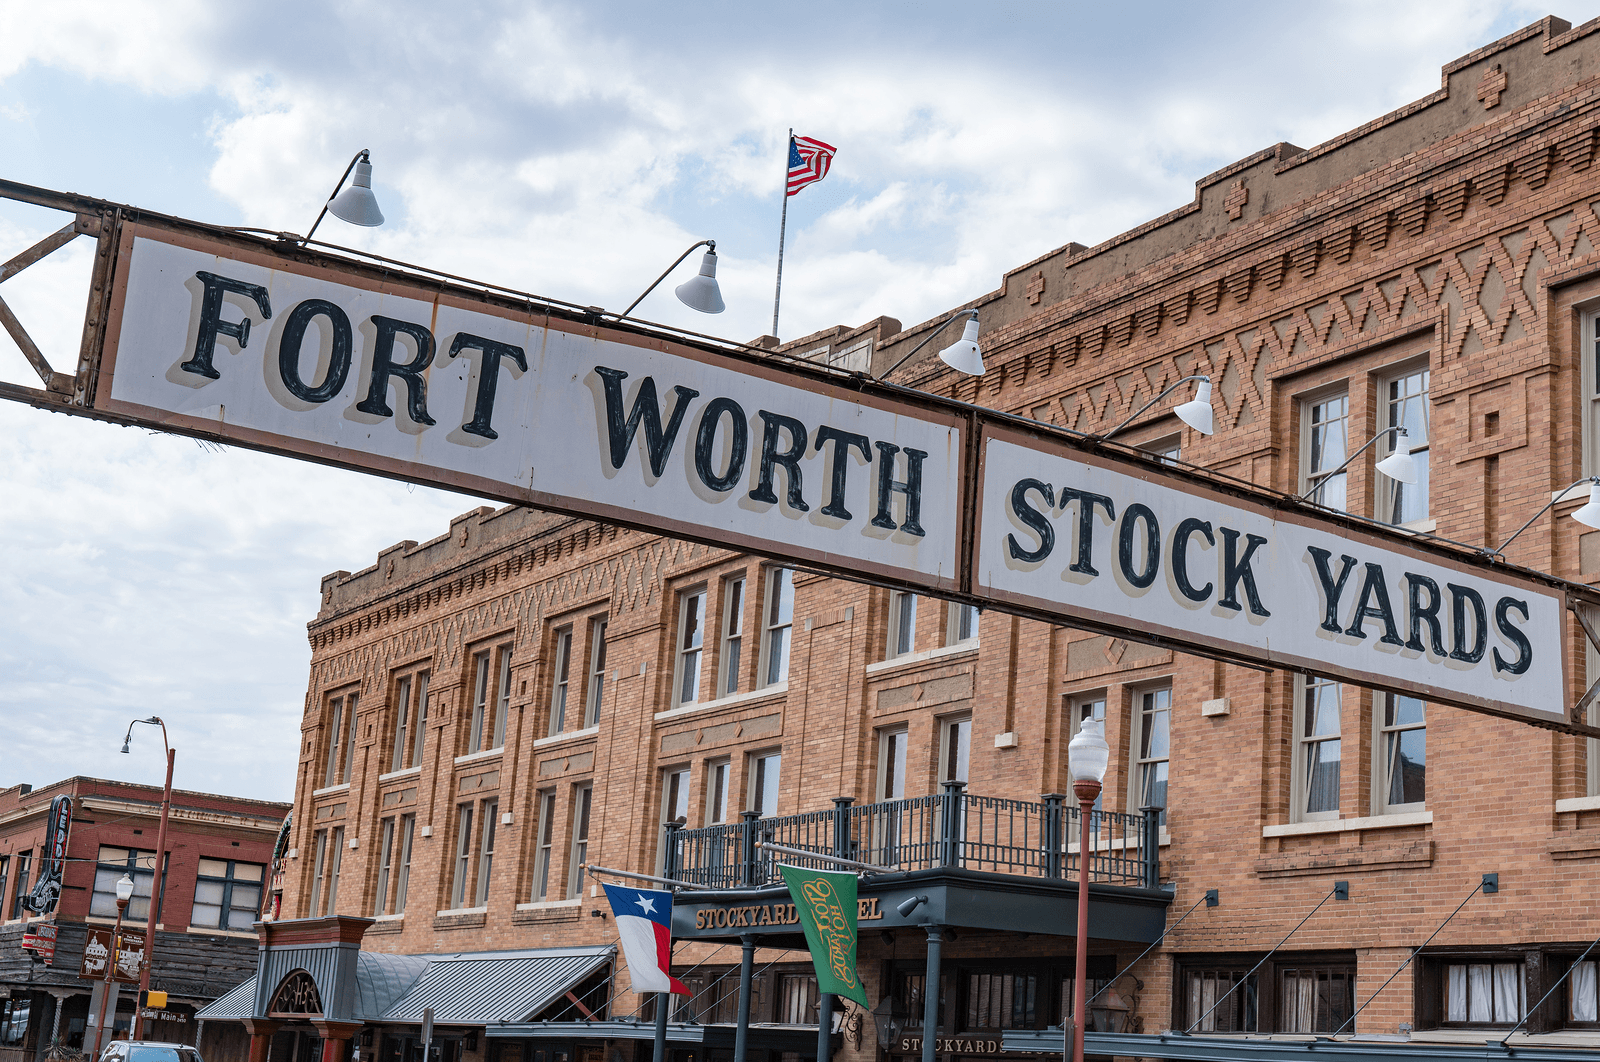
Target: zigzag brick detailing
{"points": [[610, 696]]}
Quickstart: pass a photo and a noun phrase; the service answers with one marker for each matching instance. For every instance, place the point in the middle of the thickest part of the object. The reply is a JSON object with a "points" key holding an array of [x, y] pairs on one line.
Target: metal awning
{"points": [[1548, 1048], [491, 987], [801, 1039], [233, 1005]]}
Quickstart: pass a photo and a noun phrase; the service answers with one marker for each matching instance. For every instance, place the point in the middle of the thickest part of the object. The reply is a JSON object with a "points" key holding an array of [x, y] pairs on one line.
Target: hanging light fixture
{"points": [[963, 355], [1400, 465], [699, 292], [356, 204], [1196, 412]]}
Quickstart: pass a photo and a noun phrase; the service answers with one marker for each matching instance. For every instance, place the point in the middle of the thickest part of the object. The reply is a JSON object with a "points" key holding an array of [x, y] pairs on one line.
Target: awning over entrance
{"points": [[1554, 1048], [763, 1036], [477, 988]]}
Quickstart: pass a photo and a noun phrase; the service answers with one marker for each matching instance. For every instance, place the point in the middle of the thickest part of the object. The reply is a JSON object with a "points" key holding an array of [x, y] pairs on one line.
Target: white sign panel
{"points": [[394, 378], [1088, 539]]}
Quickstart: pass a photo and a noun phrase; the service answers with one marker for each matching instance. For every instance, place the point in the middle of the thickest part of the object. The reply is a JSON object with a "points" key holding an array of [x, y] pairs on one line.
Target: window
{"points": [[5, 873], [955, 748], [411, 718], [1404, 404], [1315, 999], [582, 797], [227, 894], [458, 887], [502, 709], [335, 860], [1168, 449], [1317, 749], [797, 999], [1402, 754], [779, 620], [1219, 1002], [541, 859], [110, 865], [1003, 1001], [1583, 999], [350, 740], [1152, 740], [675, 796], [1484, 993], [408, 826], [717, 792], [385, 867], [1324, 444], [421, 726], [319, 866], [491, 816], [1089, 708], [335, 745], [14, 1020], [902, 623], [962, 624], [402, 723], [17, 910], [764, 783], [561, 681], [596, 697], [691, 644], [732, 634], [892, 764], [480, 703]]}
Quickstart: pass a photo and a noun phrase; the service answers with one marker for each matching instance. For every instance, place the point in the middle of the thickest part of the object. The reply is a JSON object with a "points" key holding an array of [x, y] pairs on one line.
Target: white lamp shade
{"points": [[963, 355], [1088, 754], [1197, 412], [1589, 515], [356, 204], [1400, 465], [701, 292], [124, 888]]}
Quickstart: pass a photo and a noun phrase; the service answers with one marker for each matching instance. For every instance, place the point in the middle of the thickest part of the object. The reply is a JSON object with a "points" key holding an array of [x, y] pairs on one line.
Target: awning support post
{"points": [[824, 1026], [930, 995], [747, 960]]}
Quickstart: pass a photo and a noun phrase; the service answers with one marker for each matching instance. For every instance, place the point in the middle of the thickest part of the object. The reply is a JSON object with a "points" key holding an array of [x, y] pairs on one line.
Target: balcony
{"points": [[948, 830]]}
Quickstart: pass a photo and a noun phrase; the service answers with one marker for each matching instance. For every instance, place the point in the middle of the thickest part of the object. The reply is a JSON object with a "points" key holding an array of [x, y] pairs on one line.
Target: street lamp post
{"points": [[124, 894], [156, 877], [1087, 757]]}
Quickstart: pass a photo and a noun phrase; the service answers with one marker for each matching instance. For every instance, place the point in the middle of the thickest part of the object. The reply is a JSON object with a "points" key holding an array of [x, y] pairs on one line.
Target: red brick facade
{"points": [[1451, 245]]}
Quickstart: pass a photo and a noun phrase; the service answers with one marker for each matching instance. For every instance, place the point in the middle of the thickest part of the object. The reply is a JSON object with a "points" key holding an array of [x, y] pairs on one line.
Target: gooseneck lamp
{"points": [[356, 204], [699, 292], [1196, 412], [963, 355], [1399, 465]]}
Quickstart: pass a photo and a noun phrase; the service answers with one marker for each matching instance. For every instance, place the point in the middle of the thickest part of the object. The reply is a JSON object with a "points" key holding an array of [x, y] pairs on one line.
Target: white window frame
{"points": [[560, 679], [759, 788], [335, 741], [1381, 779], [489, 812], [777, 627], [1589, 359], [460, 884], [892, 761], [385, 867], [1137, 759], [1310, 476], [582, 823], [689, 646], [594, 697], [719, 778], [319, 861], [502, 696], [902, 639], [1304, 688], [1168, 449], [480, 700], [957, 615], [335, 862], [402, 723], [1417, 439], [351, 710], [419, 728], [954, 730], [675, 794], [1592, 745], [544, 851], [408, 828], [730, 658], [1087, 706]]}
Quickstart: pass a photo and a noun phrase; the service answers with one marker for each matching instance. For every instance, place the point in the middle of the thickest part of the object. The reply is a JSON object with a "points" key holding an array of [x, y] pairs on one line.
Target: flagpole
{"points": [[663, 1001], [783, 226], [825, 1026]]}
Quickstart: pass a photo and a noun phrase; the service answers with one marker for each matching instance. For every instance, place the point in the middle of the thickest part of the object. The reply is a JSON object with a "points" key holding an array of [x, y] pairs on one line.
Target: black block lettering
{"points": [[1374, 589], [212, 325], [1180, 557], [1512, 634], [706, 440], [294, 333], [1236, 569], [1034, 519], [1086, 502], [646, 409], [488, 378], [772, 424], [1152, 545], [1416, 586], [842, 441], [911, 487], [1460, 598], [383, 367], [1331, 587]]}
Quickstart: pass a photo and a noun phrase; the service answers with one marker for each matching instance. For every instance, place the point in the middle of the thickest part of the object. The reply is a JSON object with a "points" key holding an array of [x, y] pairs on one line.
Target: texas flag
{"points": [[644, 924]]}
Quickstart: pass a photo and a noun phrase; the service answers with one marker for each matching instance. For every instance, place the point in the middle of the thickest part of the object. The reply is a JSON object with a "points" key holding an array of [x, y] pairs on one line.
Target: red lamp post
{"points": [[124, 894], [1087, 758], [156, 877]]}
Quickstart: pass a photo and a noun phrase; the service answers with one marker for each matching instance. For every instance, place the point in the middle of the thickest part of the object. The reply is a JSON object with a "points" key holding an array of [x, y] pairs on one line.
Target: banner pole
{"points": [[783, 226], [663, 1001], [824, 1026]]}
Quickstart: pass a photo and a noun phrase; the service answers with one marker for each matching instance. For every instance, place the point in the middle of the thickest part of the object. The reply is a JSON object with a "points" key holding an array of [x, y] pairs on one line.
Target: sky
{"points": [[573, 151]]}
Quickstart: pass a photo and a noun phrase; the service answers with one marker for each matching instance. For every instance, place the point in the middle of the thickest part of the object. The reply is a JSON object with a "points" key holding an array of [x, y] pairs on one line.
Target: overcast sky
{"points": [[571, 150]]}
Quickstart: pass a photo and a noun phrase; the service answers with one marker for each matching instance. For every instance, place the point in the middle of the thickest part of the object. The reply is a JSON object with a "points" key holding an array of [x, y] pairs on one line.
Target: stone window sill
{"points": [[923, 656], [1368, 822], [486, 754], [342, 787], [405, 773], [566, 735], [731, 700], [1588, 803]]}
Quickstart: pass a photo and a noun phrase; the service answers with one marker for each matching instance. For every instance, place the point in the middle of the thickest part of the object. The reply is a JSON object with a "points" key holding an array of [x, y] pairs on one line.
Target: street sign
{"points": [[97, 952], [392, 371]]}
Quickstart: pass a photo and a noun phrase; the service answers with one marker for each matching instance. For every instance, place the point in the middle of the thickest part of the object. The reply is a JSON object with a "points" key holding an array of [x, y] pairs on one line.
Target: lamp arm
{"points": [[360, 155], [1541, 512], [1364, 446], [928, 339], [1147, 405], [703, 243]]}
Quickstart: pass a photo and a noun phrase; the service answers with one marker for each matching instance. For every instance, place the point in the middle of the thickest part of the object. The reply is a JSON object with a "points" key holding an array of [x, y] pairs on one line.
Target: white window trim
{"points": [[1366, 822], [1306, 401], [546, 905], [1136, 739], [946, 724], [342, 787], [771, 576], [1297, 765], [474, 757], [725, 764], [594, 692], [678, 650], [556, 739], [558, 684], [730, 615], [897, 632], [922, 656], [1384, 492], [1588, 345], [1380, 768], [886, 737], [750, 773], [732, 699], [952, 614], [403, 773]]}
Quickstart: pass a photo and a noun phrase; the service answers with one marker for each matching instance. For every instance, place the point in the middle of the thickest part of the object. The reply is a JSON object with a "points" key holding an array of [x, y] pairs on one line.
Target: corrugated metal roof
{"points": [[382, 980], [232, 1005], [488, 987]]}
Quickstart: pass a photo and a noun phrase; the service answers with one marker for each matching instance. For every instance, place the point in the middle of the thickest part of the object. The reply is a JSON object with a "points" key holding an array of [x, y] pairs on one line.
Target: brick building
{"points": [[491, 710], [214, 874]]}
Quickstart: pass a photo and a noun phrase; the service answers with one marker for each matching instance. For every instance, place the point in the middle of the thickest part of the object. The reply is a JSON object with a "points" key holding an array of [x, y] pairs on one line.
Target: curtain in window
{"points": [[1297, 1006], [1507, 991], [1456, 997], [1585, 1000], [1481, 1003]]}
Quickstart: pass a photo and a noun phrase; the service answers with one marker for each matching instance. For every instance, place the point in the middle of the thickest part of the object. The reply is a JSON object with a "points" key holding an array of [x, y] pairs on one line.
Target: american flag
{"points": [[808, 161]]}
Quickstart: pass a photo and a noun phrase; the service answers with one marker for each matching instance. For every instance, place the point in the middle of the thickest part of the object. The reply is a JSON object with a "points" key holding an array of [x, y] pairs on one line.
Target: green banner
{"points": [[826, 903]]}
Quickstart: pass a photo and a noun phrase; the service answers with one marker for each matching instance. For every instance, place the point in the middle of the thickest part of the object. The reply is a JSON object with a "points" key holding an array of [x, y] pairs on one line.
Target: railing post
{"points": [[1150, 847], [1051, 829], [673, 862], [841, 827], [953, 802], [750, 875]]}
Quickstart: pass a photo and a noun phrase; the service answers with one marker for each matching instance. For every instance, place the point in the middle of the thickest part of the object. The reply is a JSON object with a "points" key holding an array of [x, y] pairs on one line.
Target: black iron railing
{"points": [[948, 829]]}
